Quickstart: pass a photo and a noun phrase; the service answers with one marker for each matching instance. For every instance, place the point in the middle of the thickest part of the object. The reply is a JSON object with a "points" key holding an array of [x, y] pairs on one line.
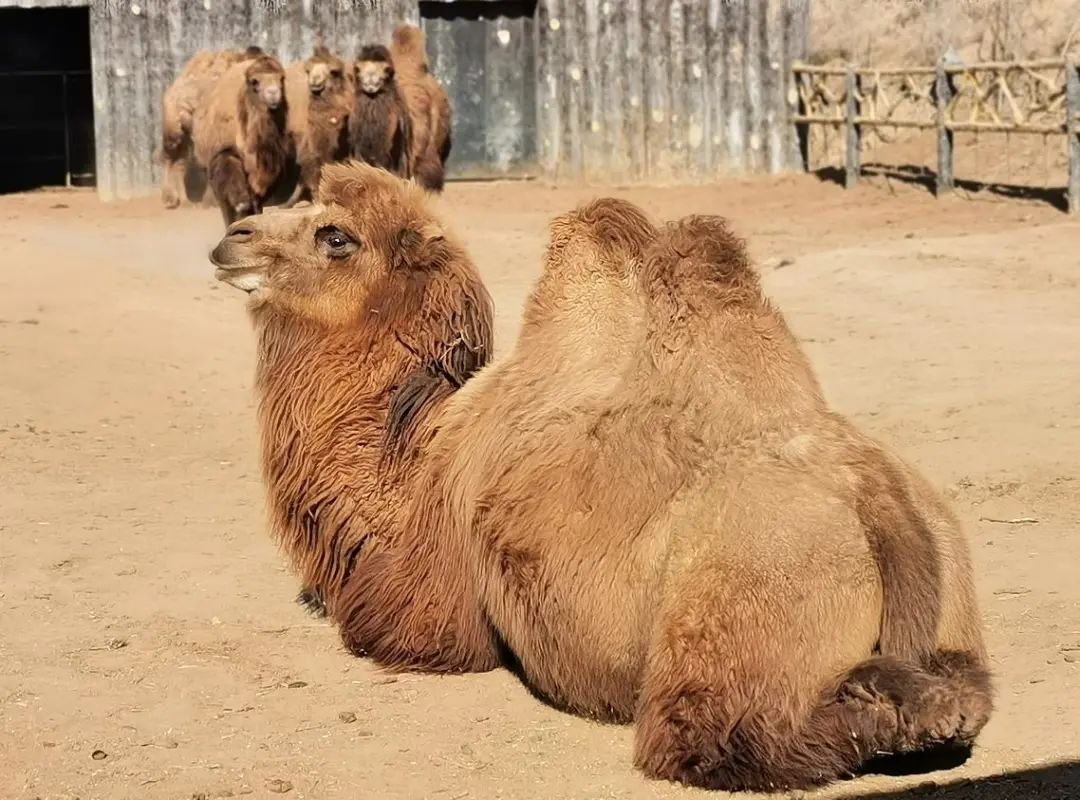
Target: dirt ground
{"points": [[149, 644]]}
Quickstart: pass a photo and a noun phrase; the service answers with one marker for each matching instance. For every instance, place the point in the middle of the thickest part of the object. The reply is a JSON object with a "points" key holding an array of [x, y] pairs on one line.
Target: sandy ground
{"points": [[149, 645]]}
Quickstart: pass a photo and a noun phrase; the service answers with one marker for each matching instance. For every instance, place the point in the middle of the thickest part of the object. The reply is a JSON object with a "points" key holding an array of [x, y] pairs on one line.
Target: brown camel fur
{"points": [[320, 94], [179, 102], [380, 132], [226, 175], [429, 106], [245, 114], [422, 330], [646, 507]]}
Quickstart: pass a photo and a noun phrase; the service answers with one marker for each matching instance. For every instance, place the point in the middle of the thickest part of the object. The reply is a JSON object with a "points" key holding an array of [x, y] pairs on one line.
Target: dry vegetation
{"points": [[918, 31]]}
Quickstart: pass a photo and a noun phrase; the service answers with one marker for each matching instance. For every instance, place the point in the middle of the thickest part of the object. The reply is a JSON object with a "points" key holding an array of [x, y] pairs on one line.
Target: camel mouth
{"points": [[247, 280], [234, 263], [318, 90]]}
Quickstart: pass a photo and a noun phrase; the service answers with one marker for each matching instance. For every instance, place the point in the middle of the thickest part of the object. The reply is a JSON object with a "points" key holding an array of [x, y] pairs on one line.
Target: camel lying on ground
{"points": [[645, 508], [242, 126]]}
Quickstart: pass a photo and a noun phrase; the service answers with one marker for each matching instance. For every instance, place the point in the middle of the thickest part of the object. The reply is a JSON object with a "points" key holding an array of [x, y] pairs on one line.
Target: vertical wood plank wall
{"points": [[667, 90], [627, 90]]}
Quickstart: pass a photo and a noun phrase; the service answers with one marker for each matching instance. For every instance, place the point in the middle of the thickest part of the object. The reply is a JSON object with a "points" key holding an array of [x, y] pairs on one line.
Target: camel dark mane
{"points": [[327, 130], [378, 132]]}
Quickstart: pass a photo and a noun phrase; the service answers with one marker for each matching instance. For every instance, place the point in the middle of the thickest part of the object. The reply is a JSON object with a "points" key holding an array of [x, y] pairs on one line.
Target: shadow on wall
{"points": [[922, 176], [1055, 782]]}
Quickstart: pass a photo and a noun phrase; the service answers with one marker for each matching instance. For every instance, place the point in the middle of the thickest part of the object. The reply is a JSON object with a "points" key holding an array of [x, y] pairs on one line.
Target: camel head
{"points": [[265, 79], [325, 71], [369, 255], [373, 69]]}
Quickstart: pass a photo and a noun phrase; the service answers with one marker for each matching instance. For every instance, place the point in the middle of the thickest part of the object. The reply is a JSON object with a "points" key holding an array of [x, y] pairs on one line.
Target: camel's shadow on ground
{"points": [[921, 176], [1054, 782]]}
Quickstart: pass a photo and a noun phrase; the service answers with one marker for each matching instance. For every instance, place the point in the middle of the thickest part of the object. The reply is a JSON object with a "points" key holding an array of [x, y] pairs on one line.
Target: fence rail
{"points": [[1035, 97]]}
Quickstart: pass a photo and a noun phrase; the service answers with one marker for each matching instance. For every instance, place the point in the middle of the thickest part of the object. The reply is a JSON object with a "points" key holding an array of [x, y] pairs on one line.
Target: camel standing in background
{"points": [[645, 508], [319, 91], [429, 106], [179, 103], [240, 137], [380, 133]]}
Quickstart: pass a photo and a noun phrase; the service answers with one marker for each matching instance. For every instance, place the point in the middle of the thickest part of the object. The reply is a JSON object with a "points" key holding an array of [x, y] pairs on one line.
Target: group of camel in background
{"points": [[644, 508], [255, 133]]}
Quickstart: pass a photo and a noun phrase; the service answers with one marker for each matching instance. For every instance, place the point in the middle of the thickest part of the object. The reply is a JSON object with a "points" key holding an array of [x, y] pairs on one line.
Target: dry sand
{"points": [[149, 645]]}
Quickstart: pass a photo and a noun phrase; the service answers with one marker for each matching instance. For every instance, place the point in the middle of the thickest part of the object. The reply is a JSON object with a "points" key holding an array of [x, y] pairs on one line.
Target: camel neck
{"points": [[324, 399]]}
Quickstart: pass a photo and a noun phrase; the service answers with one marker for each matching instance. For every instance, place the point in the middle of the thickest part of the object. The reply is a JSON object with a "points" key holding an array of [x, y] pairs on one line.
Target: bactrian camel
{"points": [[645, 508]]}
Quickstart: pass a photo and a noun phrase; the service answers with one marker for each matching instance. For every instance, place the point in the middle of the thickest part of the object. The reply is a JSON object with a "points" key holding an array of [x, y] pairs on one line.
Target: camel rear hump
{"points": [[702, 261]]}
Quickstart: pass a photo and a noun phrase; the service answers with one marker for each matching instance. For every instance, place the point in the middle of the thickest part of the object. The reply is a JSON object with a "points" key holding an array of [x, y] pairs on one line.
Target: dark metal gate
{"points": [[46, 100], [484, 53]]}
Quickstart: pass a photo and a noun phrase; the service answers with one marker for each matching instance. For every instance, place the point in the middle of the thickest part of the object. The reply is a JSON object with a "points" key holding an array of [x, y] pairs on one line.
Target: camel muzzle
{"points": [[237, 263]]}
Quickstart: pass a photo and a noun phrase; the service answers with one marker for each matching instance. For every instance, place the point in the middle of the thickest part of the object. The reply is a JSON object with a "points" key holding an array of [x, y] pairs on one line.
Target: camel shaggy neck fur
{"points": [[645, 508]]}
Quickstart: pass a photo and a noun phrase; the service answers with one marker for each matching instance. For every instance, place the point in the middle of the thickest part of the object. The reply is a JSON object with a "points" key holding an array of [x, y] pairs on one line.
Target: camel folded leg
{"points": [[747, 687]]}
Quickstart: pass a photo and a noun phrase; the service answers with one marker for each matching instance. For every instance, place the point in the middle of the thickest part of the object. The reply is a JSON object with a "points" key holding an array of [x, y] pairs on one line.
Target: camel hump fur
{"points": [[644, 508]]}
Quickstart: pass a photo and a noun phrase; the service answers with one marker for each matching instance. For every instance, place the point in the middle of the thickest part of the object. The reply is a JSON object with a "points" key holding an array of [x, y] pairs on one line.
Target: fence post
{"points": [[943, 91], [802, 129], [1072, 132], [851, 112]]}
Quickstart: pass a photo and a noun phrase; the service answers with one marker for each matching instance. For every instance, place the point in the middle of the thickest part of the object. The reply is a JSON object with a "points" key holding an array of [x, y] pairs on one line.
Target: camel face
{"points": [[372, 74], [325, 73], [266, 82], [325, 261], [289, 257], [249, 255]]}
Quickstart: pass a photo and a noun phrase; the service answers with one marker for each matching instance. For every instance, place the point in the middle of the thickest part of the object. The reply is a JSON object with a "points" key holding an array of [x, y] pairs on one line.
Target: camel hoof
{"points": [[170, 199]]}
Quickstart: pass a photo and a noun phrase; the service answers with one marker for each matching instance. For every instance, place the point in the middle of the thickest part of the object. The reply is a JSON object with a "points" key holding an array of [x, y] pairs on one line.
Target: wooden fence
{"points": [[1033, 97]]}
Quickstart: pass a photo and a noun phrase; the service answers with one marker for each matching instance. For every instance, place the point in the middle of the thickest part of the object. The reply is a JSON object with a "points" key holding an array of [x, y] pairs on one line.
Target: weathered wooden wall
{"points": [[667, 90], [626, 90]]}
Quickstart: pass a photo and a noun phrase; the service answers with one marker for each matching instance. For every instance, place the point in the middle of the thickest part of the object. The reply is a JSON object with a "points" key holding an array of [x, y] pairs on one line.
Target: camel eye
{"points": [[335, 73], [334, 242]]}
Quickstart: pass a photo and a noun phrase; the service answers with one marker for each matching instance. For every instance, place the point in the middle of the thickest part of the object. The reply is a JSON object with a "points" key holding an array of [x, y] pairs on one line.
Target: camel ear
{"points": [[423, 248]]}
